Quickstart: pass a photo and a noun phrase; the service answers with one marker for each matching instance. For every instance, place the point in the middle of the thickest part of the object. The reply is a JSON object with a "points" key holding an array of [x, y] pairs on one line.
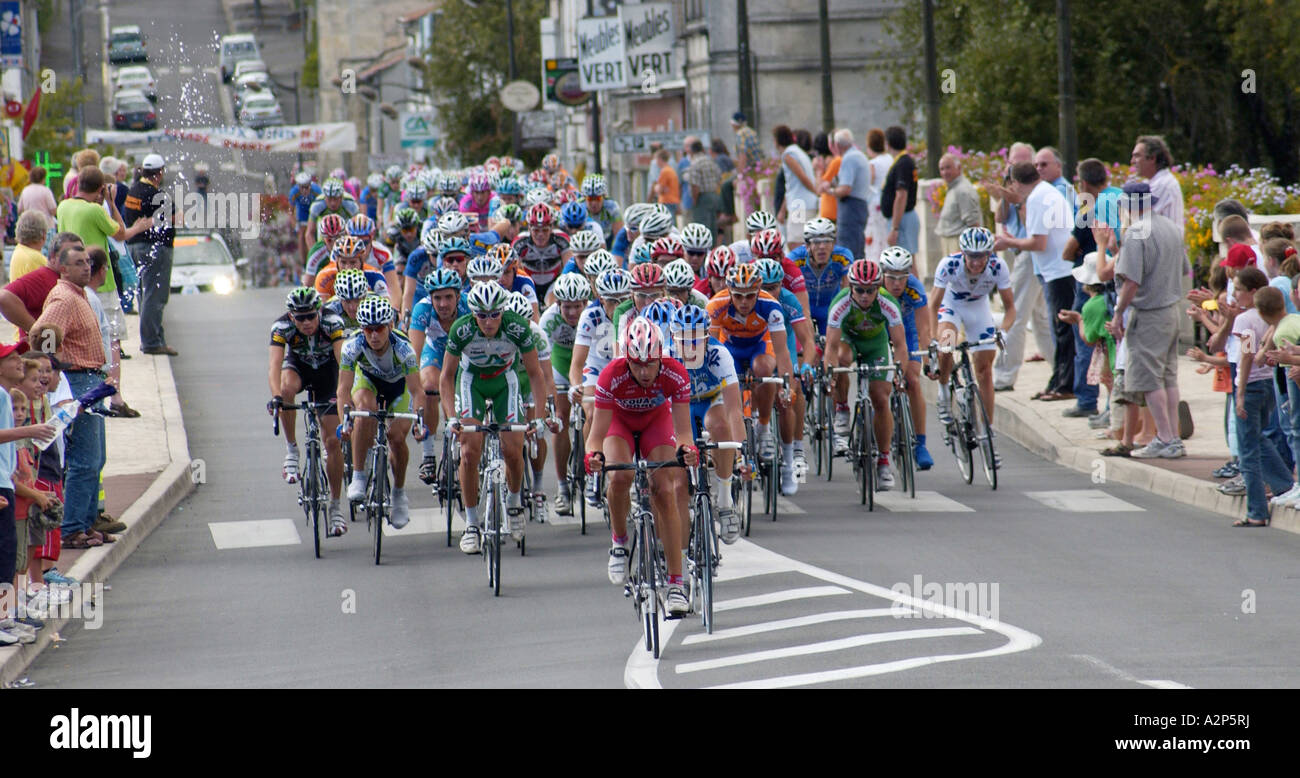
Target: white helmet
{"points": [[485, 297], [598, 262], [519, 304], [678, 274], [632, 215], [484, 269], [452, 222], [585, 242], [758, 221], [656, 224], [697, 237], [819, 228], [539, 195], [896, 259], [430, 238], [572, 287], [975, 240], [614, 283]]}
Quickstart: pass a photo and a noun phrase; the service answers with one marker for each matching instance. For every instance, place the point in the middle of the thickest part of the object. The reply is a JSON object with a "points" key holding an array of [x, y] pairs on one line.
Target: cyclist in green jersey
{"points": [[559, 323]]}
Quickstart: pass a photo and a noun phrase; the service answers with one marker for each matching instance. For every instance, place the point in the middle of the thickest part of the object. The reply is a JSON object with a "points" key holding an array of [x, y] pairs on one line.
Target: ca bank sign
{"points": [[418, 129]]}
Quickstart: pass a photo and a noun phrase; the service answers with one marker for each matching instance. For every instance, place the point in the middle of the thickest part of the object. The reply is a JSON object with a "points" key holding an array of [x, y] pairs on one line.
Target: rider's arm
{"points": [[344, 392], [273, 372], [898, 338], [1008, 307], [803, 300], [682, 423], [936, 300], [390, 278], [408, 300], [804, 334], [600, 420], [832, 350], [576, 364], [417, 337], [447, 384], [535, 374], [783, 365]]}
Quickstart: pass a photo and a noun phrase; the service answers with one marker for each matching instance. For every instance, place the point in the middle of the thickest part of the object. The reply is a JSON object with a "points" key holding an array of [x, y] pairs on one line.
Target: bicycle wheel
{"points": [[448, 488], [578, 479], [813, 420], [963, 442], [775, 490], [828, 432], [347, 477], [314, 496], [493, 531], [704, 560], [983, 432], [380, 481], [649, 552], [905, 448]]}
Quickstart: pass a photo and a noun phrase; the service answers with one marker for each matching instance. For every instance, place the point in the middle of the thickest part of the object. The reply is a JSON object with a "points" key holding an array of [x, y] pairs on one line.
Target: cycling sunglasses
{"points": [[489, 315], [305, 316], [372, 328], [690, 253], [866, 289], [744, 295]]}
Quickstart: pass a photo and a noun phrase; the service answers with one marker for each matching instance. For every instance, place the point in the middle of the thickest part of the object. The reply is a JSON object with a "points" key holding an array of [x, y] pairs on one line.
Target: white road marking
{"points": [[425, 521], [925, 502], [785, 507], [801, 621], [1164, 684], [784, 595], [162, 70], [824, 647], [1083, 501], [187, 70], [1126, 676], [253, 534]]}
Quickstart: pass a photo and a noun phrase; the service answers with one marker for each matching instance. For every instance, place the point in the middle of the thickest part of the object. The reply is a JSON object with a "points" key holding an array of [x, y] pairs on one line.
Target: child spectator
{"points": [[1207, 313], [1091, 320], [1276, 252], [1286, 353]]}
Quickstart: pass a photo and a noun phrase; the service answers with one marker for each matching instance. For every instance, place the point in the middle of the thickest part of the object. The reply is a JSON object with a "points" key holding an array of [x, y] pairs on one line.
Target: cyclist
{"points": [[755, 223], [509, 191], [824, 266], [557, 176], [697, 242], [751, 325], [482, 348], [544, 250], [329, 229], [559, 322], [350, 288], [574, 218], [420, 263], [302, 194], [643, 408], [519, 304], [370, 195], [376, 365], [593, 346], [600, 208], [666, 249], [679, 282], [511, 279], [798, 340], [647, 286], [430, 321], [306, 344], [332, 199], [768, 245], [655, 224], [862, 326], [720, 262], [403, 236], [449, 186], [583, 244], [630, 232], [417, 199], [896, 264], [598, 262], [715, 393], [362, 228], [348, 253], [390, 191], [479, 202], [960, 299]]}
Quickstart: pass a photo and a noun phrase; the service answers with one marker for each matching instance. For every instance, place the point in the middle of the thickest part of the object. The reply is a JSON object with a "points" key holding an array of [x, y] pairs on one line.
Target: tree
{"points": [[468, 63], [55, 130]]}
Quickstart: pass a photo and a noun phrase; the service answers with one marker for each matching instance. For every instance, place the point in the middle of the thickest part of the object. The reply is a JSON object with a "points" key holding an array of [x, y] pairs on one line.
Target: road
{"points": [[1096, 585]]}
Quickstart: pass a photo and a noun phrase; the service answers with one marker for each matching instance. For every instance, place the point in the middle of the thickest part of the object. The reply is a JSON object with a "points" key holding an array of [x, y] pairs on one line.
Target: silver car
{"points": [[136, 77], [260, 110], [201, 262]]}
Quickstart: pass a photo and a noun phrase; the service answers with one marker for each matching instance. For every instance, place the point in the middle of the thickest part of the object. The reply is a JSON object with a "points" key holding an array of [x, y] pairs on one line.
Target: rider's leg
{"points": [[912, 370], [618, 452], [333, 454], [840, 390], [290, 386], [471, 449], [984, 377], [947, 336], [669, 482], [539, 462], [883, 421], [764, 394], [398, 452], [363, 430], [563, 445], [429, 377]]}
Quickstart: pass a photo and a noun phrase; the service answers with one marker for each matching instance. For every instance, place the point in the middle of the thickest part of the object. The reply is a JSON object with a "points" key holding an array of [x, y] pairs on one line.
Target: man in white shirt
{"points": [[1152, 160], [1047, 228]]}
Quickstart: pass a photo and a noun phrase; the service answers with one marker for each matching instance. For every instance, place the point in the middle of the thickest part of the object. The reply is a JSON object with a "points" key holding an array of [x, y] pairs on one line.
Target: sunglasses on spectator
{"points": [[489, 315], [865, 289], [305, 316]]}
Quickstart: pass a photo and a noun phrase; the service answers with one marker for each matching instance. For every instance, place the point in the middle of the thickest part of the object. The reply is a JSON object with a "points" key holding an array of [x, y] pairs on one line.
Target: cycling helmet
{"points": [[331, 225], [758, 221], [537, 196], [975, 240], [551, 162], [417, 191], [865, 272], [765, 244], [640, 254], [697, 237], [483, 269], [819, 228], [666, 246], [501, 252], [303, 178], [393, 172], [647, 276], [770, 271], [585, 242], [643, 341], [452, 222], [896, 259], [594, 186], [486, 297], [361, 226], [743, 277], [454, 245], [563, 197], [302, 299], [430, 239], [333, 187], [572, 287], [375, 311], [479, 182], [678, 274], [661, 311], [598, 262], [406, 218], [691, 317], [338, 173], [720, 262], [519, 304], [509, 185], [442, 278], [449, 186], [348, 246], [351, 284], [511, 212], [656, 224], [614, 283], [574, 214], [632, 216], [374, 180], [442, 206], [540, 215]]}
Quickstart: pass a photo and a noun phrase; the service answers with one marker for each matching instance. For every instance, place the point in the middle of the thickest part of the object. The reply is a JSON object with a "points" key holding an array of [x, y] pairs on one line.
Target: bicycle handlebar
{"points": [[648, 465], [865, 369], [725, 445]]}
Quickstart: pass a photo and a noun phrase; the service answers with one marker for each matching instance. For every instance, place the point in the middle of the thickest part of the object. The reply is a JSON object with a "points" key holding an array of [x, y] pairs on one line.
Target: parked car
{"points": [[202, 262], [136, 77], [126, 44], [259, 110], [235, 48], [133, 111], [246, 66], [251, 84]]}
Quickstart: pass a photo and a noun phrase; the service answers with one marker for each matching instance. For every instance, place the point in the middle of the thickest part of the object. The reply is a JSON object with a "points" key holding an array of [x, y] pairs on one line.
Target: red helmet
{"points": [[865, 272], [643, 341], [721, 260], [331, 225], [766, 244], [540, 215], [647, 276], [667, 246]]}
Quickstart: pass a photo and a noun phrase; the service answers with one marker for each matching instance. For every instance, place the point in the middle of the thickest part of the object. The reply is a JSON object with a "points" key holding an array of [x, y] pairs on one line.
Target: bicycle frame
{"points": [[492, 484], [378, 501], [313, 481]]}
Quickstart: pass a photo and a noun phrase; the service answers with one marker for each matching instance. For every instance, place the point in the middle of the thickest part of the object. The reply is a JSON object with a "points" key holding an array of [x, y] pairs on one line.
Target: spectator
{"points": [[877, 224], [37, 196], [1276, 253], [83, 348], [718, 150], [112, 346], [667, 189], [1047, 228], [655, 166], [748, 149], [31, 231], [1028, 294], [49, 471], [684, 162], [800, 187], [704, 180], [961, 205], [1151, 160], [852, 192], [21, 301], [1149, 272], [898, 195], [826, 165], [1286, 354], [152, 251], [80, 159], [1235, 231]]}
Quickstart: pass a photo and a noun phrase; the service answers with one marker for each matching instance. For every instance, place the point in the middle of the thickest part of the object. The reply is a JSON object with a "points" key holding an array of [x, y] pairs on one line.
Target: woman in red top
{"points": [[644, 393]]}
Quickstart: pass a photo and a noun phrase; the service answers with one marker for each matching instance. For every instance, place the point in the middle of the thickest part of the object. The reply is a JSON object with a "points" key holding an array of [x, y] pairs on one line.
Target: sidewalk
{"points": [[147, 475]]}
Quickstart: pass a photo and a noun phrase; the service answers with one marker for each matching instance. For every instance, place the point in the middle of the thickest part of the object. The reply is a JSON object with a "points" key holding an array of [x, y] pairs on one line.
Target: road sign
{"points": [[519, 96], [418, 129], [563, 85], [601, 62], [536, 130], [639, 142], [648, 42]]}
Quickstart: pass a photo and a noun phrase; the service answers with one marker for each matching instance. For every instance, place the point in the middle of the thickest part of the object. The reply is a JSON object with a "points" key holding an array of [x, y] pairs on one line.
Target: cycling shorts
{"points": [[322, 382], [561, 381], [909, 333], [975, 320], [701, 407], [391, 394], [871, 351], [473, 392], [429, 358], [654, 427], [743, 355]]}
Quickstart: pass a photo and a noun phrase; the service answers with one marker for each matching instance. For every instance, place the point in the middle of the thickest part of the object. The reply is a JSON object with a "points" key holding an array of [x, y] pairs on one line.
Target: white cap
{"points": [[153, 162]]}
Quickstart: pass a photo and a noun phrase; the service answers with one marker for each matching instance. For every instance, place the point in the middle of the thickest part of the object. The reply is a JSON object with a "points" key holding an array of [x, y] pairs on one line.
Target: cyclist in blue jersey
{"points": [[512, 279], [630, 232], [907, 289], [799, 341], [824, 266], [430, 321], [600, 208], [303, 193], [418, 265], [370, 195]]}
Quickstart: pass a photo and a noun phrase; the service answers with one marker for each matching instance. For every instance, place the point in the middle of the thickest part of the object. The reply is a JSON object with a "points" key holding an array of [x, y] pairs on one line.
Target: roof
{"points": [[238, 38], [382, 65], [412, 16]]}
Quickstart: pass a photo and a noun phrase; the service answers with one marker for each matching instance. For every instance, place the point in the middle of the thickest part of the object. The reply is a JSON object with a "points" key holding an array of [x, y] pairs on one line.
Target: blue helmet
{"points": [[442, 278], [454, 246], [661, 312], [769, 271], [691, 317], [574, 214], [640, 255], [509, 186]]}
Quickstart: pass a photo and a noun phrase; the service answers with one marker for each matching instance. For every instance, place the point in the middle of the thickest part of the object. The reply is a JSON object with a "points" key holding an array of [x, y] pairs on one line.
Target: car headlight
{"points": [[223, 285]]}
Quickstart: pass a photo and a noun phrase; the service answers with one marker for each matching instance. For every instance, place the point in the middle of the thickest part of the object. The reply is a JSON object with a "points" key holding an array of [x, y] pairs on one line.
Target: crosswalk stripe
{"points": [[785, 595], [785, 506], [925, 502], [823, 647], [426, 521], [801, 621], [1083, 501], [254, 534]]}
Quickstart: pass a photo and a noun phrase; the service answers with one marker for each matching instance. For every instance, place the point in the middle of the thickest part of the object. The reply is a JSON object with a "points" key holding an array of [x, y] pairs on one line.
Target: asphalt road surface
{"points": [[1084, 584]]}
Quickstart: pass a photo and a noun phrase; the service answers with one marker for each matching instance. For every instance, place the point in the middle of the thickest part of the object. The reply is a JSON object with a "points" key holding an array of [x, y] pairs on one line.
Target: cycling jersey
{"points": [[525, 286], [618, 390], [315, 350], [609, 213], [560, 335], [382, 258], [620, 246], [370, 200], [595, 331], [302, 197], [484, 356], [325, 280], [317, 257], [792, 312], [417, 265], [856, 324], [822, 284], [347, 210], [912, 298], [395, 364], [478, 214], [424, 319], [961, 287], [543, 347], [716, 372], [749, 335], [335, 306], [541, 262]]}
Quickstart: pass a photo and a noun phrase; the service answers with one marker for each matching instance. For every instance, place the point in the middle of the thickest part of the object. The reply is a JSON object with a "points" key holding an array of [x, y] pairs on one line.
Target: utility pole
{"points": [[75, 9], [595, 114], [1065, 78], [742, 72], [828, 98], [933, 139], [514, 74]]}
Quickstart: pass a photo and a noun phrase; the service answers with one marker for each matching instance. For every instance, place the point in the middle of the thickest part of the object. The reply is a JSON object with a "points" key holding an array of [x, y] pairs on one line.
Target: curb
{"points": [[142, 517]]}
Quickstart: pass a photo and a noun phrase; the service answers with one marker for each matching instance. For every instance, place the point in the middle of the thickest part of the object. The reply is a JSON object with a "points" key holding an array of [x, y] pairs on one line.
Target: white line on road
{"points": [[925, 502], [254, 534], [1125, 676], [1083, 501], [426, 521], [784, 595], [800, 621], [785, 507], [824, 647]]}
